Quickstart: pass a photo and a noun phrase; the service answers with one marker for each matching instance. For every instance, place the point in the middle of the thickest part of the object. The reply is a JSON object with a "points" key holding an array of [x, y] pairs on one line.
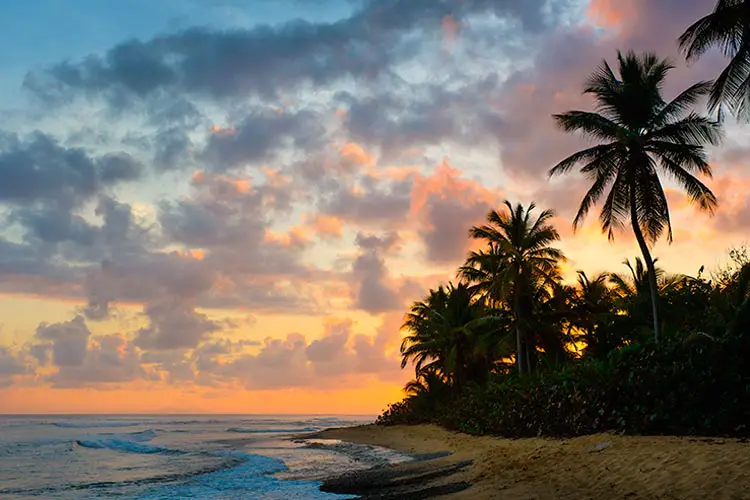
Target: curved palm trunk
{"points": [[649, 263]]}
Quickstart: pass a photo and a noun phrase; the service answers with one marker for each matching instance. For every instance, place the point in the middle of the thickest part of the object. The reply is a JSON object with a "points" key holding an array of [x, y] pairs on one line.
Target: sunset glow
{"points": [[234, 219]]}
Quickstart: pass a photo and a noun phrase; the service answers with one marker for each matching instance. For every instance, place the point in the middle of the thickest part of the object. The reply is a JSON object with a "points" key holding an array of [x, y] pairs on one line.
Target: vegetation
{"points": [[726, 28], [513, 349], [641, 135]]}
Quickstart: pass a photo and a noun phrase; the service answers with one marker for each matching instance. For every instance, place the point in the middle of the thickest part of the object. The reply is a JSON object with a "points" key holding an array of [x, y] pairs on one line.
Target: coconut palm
{"points": [[482, 270], [641, 136], [428, 384], [520, 262], [633, 292], [634, 285], [593, 301], [593, 312], [446, 335], [728, 28]]}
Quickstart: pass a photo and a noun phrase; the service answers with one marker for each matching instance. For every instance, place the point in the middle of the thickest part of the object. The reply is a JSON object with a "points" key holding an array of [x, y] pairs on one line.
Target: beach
{"points": [[604, 466]]}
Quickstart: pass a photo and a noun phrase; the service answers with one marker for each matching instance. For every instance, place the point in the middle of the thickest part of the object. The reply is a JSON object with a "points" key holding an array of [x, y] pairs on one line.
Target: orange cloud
{"points": [[218, 130], [237, 184], [392, 173], [192, 253], [275, 178], [356, 153], [609, 13], [242, 186], [295, 236], [327, 226], [446, 183]]}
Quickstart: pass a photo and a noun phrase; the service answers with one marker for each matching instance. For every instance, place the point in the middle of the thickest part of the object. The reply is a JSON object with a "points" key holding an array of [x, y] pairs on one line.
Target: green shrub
{"points": [[697, 386]]}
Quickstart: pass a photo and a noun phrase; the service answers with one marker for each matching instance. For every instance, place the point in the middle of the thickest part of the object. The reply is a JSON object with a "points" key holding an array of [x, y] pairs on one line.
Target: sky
{"points": [[227, 206]]}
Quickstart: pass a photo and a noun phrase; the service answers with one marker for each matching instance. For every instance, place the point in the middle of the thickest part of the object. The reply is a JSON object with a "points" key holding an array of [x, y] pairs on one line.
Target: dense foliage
{"points": [[515, 350], [691, 383]]}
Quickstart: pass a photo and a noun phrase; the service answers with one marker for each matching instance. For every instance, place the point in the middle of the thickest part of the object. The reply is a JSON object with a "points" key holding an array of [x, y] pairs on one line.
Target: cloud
{"points": [[371, 202], [448, 205], [300, 136], [340, 358], [263, 133], [109, 359], [39, 169], [67, 342], [326, 227], [174, 324], [11, 365], [373, 290], [265, 60]]}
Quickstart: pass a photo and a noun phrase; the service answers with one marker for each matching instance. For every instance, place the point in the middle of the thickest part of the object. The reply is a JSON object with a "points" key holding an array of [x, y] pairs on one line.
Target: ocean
{"points": [[175, 457]]}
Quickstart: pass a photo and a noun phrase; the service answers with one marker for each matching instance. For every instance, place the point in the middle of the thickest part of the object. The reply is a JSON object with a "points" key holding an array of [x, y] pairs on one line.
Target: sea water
{"points": [[171, 457]]}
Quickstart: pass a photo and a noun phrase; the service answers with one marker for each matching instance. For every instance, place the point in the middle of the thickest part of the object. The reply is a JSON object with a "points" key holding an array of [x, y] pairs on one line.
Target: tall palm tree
{"points": [[727, 27], [520, 261], [641, 135]]}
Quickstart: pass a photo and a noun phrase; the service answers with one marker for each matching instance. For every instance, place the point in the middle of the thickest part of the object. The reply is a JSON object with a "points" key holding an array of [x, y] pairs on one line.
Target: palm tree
{"points": [[630, 287], [520, 261], [727, 27], [633, 290], [446, 334], [594, 299], [641, 135], [428, 384], [482, 270], [593, 310]]}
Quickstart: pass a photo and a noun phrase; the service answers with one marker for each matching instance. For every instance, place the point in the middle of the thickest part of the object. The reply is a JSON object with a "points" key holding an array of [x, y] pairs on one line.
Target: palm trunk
{"points": [[519, 335], [527, 350], [649, 262]]}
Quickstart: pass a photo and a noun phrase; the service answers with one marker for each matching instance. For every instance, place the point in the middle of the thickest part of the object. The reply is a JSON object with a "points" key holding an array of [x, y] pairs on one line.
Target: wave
{"points": [[243, 430], [248, 476], [138, 436], [87, 425], [132, 442], [124, 445]]}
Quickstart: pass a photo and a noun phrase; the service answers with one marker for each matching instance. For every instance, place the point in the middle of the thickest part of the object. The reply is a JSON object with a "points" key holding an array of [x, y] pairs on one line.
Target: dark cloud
{"points": [[67, 342], [266, 60], [447, 204], [11, 365], [374, 242], [50, 225], [174, 324], [109, 359], [373, 291], [332, 359], [448, 223], [82, 360], [173, 149], [371, 202], [39, 169], [401, 119], [263, 133]]}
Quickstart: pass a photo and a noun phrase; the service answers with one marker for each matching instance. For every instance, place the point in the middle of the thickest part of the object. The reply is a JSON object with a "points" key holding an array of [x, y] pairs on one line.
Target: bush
{"points": [[697, 386]]}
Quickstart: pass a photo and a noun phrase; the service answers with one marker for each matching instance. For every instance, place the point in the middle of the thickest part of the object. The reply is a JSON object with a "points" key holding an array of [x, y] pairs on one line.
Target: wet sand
{"points": [[601, 466]]}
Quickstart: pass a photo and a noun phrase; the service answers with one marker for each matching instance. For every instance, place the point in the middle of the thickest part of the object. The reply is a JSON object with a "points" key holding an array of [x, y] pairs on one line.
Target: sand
{"points": [[601, 466]]}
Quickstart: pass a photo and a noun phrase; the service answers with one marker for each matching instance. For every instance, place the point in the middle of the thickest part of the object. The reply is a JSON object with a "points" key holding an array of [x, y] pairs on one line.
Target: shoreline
{"points": [[458, 466]]}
